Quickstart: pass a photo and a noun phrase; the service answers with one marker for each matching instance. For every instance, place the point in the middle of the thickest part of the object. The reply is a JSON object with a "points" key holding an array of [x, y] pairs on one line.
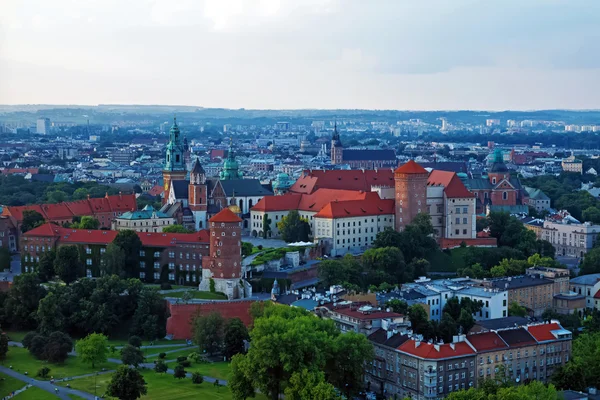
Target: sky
{"points": [[287, 54]]}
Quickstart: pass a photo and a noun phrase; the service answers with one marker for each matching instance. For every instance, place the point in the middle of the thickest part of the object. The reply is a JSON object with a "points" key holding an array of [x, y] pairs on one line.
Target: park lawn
{"points": [[157, 286], [9, 385], [16, 336], [35, 393], [74, 397], [123, 341], [172, 356], [197, 294], [161, 386], [21, 361], [219, 370]]}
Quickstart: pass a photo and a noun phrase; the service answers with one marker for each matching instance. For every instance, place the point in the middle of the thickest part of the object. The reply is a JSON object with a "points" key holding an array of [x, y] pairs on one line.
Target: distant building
{"points": [[360, 158], [145, 220], [43, 126], [537, 199], [568, 236], [492, 122], [122, 156], [571, 164]]}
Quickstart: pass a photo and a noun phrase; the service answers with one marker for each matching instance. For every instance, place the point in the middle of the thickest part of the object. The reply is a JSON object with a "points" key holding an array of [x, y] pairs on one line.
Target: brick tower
{"points": [[197, 195], [224, 263], [411, 192]]}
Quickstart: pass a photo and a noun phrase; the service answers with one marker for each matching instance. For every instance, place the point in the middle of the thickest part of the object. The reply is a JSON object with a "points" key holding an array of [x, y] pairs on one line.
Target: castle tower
{"points": [[224, 263], [198, 195], [411, 193], [174, 168], [337, 150]]}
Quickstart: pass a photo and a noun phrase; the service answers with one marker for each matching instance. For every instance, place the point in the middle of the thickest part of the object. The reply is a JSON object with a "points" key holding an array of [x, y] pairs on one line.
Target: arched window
{"points": [[494, 180], [504, 195]]}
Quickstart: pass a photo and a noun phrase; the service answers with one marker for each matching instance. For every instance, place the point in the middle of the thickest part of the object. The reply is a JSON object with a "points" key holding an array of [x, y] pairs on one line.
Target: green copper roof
{"points": [[230, 166]]}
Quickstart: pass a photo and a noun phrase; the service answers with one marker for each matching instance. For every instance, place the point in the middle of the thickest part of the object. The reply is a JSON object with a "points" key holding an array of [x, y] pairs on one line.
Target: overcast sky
{"points": [[374, 54]]}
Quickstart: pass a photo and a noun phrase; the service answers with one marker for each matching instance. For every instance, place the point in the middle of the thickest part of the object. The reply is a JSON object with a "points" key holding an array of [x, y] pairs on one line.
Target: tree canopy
{"points": [[294, 228]]}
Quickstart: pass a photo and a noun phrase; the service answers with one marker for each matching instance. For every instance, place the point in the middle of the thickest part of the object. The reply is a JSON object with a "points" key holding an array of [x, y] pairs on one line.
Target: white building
{"points": [[43, 126]]}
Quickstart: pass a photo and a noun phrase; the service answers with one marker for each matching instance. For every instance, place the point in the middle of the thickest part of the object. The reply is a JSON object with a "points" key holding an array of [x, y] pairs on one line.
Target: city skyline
{"points": [[315, 54]]}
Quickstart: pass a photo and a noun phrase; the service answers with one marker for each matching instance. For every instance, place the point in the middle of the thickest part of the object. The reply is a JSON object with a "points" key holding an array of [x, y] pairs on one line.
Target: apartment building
{"points": [[362, 317], [568, 236], [146, 220], [408, 367], [571, 164]]}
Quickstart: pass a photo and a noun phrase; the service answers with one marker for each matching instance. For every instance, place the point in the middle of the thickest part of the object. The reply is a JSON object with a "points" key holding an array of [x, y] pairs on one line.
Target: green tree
{"points": [[294, 228], [234, 336], [241, 386], [591, 262], [345, 368], [49, 314], [150, 316], [310, 385], [113, 261], [387, 238], [126, 384], [31, 219], [160, 367], [266, 223], [176, 228], [592, 214], [128, 241], [58, 347], [397, 306], [385, 264], [179, 371], [92, 349], [515, 310], [448, 328], [56, 196], [3, 345], [418, 318], [246, 249], [135, 341], [5, 259], [131, 355], [197, 378], [208, 332], [45, 268], [466, 321], [418, 267], [23, 299], [66, 263], [86, 222]]}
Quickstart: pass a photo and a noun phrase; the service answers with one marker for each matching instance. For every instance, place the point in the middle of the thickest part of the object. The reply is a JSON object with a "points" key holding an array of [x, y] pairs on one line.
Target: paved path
{"points": [[46, 385]]}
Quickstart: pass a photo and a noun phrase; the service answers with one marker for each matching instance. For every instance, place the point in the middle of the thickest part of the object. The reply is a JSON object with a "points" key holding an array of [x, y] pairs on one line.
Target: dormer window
{"points": [[494, 180]]}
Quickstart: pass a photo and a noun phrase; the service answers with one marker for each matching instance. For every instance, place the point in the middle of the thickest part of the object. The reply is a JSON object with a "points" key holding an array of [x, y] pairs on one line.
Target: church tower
{"points": [[411, 193], [337, 150], [231, 168], [198, 195], [223, 266], [174, 169]]}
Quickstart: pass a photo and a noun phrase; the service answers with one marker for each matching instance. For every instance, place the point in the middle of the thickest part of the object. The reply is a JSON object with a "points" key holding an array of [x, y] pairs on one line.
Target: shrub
{"points": [[165, 286], [260, 247], [212, 285], [179, 372], [186, 363], [160, 367], [197, 378], [135, 341], [28, 338], [162, 356], [181, 358], [195, 357], [43, 372]]}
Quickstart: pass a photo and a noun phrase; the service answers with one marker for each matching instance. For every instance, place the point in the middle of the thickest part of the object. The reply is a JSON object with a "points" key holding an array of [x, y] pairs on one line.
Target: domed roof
{"points": [[498, 163], [235, 209]]}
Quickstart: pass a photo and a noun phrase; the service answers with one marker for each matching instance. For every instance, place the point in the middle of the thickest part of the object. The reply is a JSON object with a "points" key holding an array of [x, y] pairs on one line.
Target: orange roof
{"points": [[57, 211], [225, 215], [371, 205], [487, 341], [307, 202], [543, 332], [156, 190], [411, 167], [278, 203], [456, 188], [47, 229], [429, 351], [355, 179]]}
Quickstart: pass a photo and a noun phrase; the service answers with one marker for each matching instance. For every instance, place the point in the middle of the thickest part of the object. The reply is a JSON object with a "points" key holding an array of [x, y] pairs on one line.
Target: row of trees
{"points": [[213, 334], [304, 357]]}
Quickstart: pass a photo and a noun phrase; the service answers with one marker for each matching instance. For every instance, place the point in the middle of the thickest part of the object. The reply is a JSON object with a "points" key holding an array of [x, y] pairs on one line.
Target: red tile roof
{"points": [[356, 180], [477, 242], [8, 171], [48, 230], [411, 167], [431, 351], [597, 295], [371, 205], [453, 186], [542, 332], [487, 341], [225, 215], [307, 202], [278, 203], [156, 190]]}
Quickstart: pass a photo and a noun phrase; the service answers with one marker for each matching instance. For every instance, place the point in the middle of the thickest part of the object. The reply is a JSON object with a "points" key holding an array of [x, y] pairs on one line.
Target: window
{"points": [[171, 254], [458, 220], [156, 265], [142, 275], [142, 253], [88, 261], [171, 277], [504, 195], [458, 210], [464, 221], [156, 254], [465, 210], [102, 250], [142, 264], [156, 275], [88, 273]]}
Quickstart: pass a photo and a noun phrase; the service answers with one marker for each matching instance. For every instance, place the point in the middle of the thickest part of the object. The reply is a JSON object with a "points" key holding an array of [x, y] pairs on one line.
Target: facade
{"points": [[571, 164], [145, 220], [43, 126], [8, 234], [588, 286], [568, 236], [122, 156], [410, 182], [407, 367], [223, 267], [533, 292], [361, 317], [175, 257], [537, 199]]}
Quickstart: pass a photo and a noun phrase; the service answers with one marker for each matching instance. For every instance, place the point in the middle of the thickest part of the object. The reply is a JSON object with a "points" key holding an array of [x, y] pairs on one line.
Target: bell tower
{"points": [[337, 150], [174, 168], [198, 195]]}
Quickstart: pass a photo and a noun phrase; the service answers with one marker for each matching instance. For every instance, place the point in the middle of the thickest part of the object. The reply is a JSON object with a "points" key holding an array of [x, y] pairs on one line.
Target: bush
{"points": [[43, 372], [179, 372], [160, 367], [186, 363], [195, 357], [260, 247], [181, 358], [162, 356], [197, 378], [212, 285], [135, 341], [165, 286]]}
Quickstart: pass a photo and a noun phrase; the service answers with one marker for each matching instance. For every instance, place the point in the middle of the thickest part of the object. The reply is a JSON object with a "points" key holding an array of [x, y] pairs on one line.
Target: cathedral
{"points": [[193, 198]]}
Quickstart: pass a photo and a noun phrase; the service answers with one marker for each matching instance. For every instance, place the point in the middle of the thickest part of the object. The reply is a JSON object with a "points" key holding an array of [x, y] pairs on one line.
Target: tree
{"points": [[294, 228], [246, 249], [176, 228], [37, 347], [397, 306], [208, 332], [266, 223], [418, 267], [58, 346], [31, 219], [592, 214], [387, 238], [583, 369], [92, 349], [448, 328], [135, 341], [113, 261], [131, 355], [241, 386], [150, 316], [128, 241], [591, 262], [45, 268], [160, 367], [466, 321], [49, 315], [86, 222], [310, 385], [346, 367], [5, 258], [3, 346], [515, 310], [66, 263], [197, 378], [23, 299], [179, 371], [418, 318], [234, 337], [127, 384], [385, 264]]}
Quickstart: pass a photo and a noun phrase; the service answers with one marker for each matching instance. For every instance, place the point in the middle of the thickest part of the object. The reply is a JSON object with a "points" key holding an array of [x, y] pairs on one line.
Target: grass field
{"points": [[21, 361], [219, 370], [9, 384], [162, 386], [197, 295], [34, 393], [171, 356], [442, 262], [124, 341], [16, 336]]}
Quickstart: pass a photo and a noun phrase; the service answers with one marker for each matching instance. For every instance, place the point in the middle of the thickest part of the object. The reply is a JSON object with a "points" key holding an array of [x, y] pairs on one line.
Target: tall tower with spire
{"points": [[337, 150], [198, 195], [231, 168], [174, 168]]}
